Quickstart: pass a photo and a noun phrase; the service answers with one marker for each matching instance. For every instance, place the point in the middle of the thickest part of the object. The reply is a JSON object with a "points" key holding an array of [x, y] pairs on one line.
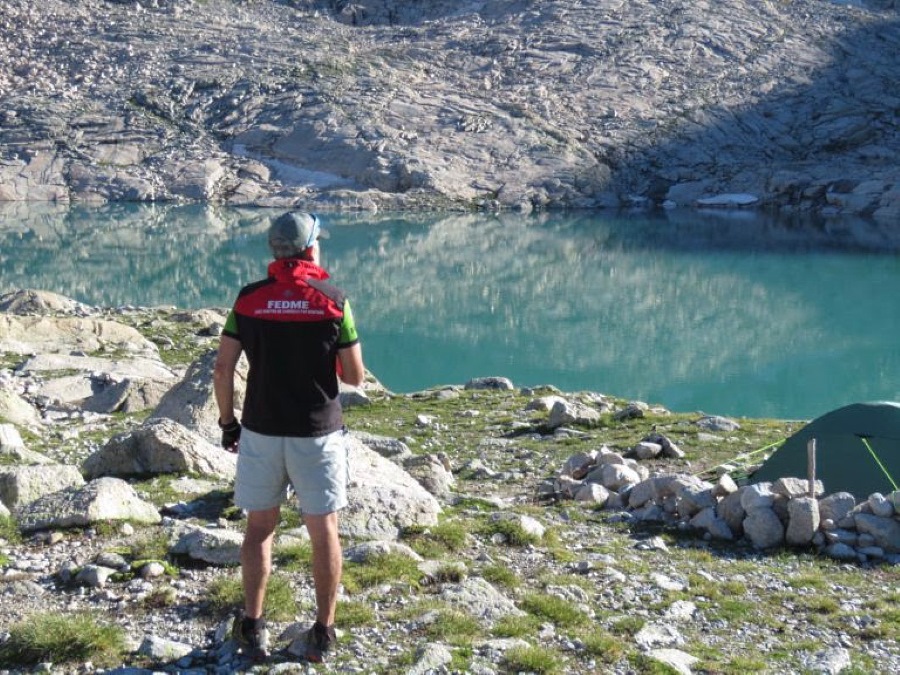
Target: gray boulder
{"points": [[101, 500], [886, 531], [647, 450], [803, 521], [642, 492], [615, 476], [160, 446], [730, 510], [713, 524], [795, 487], [501, 383], [431, 473], [763, 527], [592, 493], [128, 396], [20, 485], [30, 301], [717, 423], [192, 403], [836, 507], [679, 661], [10, 439], [214, 546], [101, 369], [430, 658], [880, 505], [565, 412], [383, 497], [478, 598], [385, 446], [725, 485], [46, 334], [16, 410], [757, 496], [693, 496], [12, 447], [159, 649], [369, 550]]}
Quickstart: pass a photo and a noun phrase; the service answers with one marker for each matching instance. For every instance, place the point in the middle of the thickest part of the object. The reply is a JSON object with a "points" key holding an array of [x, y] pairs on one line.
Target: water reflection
{"points": [[734, 314]]}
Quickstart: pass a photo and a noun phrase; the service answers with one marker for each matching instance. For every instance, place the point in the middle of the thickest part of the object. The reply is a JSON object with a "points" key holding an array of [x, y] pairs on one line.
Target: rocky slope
{"points": [[397, 105], [492, 530]]}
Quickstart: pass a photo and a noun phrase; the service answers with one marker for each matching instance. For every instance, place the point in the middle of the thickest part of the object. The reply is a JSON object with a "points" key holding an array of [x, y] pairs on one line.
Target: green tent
{"points": [[857, 451]]}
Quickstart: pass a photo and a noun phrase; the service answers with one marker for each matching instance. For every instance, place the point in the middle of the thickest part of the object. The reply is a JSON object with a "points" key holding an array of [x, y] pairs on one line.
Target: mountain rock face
{"points": [[513, 104]]}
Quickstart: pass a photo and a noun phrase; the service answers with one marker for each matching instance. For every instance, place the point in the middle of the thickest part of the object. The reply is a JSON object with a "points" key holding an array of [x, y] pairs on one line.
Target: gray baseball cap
{"points": [[293, 232]]}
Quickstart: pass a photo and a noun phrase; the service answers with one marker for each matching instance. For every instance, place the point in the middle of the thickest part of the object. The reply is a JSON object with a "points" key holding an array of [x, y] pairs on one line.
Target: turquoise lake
{"points": [[727, 313]]}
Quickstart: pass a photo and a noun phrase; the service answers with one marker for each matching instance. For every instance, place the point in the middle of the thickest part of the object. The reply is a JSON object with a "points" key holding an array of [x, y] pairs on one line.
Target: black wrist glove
{"points": [[231, 434]]}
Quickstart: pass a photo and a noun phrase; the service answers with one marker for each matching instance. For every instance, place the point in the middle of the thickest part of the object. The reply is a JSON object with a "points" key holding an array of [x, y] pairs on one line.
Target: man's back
{"points": [[291, 325]]}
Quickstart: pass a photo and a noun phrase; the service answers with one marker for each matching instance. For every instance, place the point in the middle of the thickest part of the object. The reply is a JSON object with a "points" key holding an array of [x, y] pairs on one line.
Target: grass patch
{"points": [[445, 537], [626, 625], [511, 530], [820, 604], [532, 659], [9, 530], [150, 546], [61, 638], [731, 610], [646, 665], [352, 613], [290, 518], [453, 627], [554, 609], [516, 626], [608, 648], [159, 598], [225, 595], [293, 557], [390, 567], [811, 581], [500, 575]]}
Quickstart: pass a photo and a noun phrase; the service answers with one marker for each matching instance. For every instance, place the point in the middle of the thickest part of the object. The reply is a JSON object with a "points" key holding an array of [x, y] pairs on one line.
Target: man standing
{"points": [[298, 333]]}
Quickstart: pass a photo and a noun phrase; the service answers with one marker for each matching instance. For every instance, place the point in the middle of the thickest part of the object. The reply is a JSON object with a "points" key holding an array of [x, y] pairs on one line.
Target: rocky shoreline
{"points": [[326, 104], [534, 530]]}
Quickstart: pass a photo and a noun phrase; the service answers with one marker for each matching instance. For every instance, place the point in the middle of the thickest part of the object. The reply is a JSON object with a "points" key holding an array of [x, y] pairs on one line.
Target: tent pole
{"points": [[811, 466]]}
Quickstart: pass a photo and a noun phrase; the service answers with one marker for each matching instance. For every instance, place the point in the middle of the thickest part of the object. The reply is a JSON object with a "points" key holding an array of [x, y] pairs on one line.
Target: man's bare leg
{"points": [[256, 559], [326, 563]]}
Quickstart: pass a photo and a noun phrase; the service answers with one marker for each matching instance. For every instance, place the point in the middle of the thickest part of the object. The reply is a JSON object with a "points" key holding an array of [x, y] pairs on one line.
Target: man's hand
{"points": [[231, 434]]}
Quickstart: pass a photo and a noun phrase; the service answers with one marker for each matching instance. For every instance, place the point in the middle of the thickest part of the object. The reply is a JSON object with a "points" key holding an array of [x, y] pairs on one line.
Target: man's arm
{"points": [[352, 370], [223, 377]]}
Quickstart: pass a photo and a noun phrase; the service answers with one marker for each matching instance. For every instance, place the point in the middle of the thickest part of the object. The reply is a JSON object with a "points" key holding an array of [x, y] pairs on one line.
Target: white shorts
{"points": [[317, 468]]}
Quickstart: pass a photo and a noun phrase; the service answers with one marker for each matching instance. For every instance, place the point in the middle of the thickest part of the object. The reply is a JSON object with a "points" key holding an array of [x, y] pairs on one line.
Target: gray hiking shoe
{"points": [[319, 641], [252, 637]]}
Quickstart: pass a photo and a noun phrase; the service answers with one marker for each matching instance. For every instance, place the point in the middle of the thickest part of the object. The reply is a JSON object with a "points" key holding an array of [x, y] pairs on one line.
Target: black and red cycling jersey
{"points": [[291, 326]]}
